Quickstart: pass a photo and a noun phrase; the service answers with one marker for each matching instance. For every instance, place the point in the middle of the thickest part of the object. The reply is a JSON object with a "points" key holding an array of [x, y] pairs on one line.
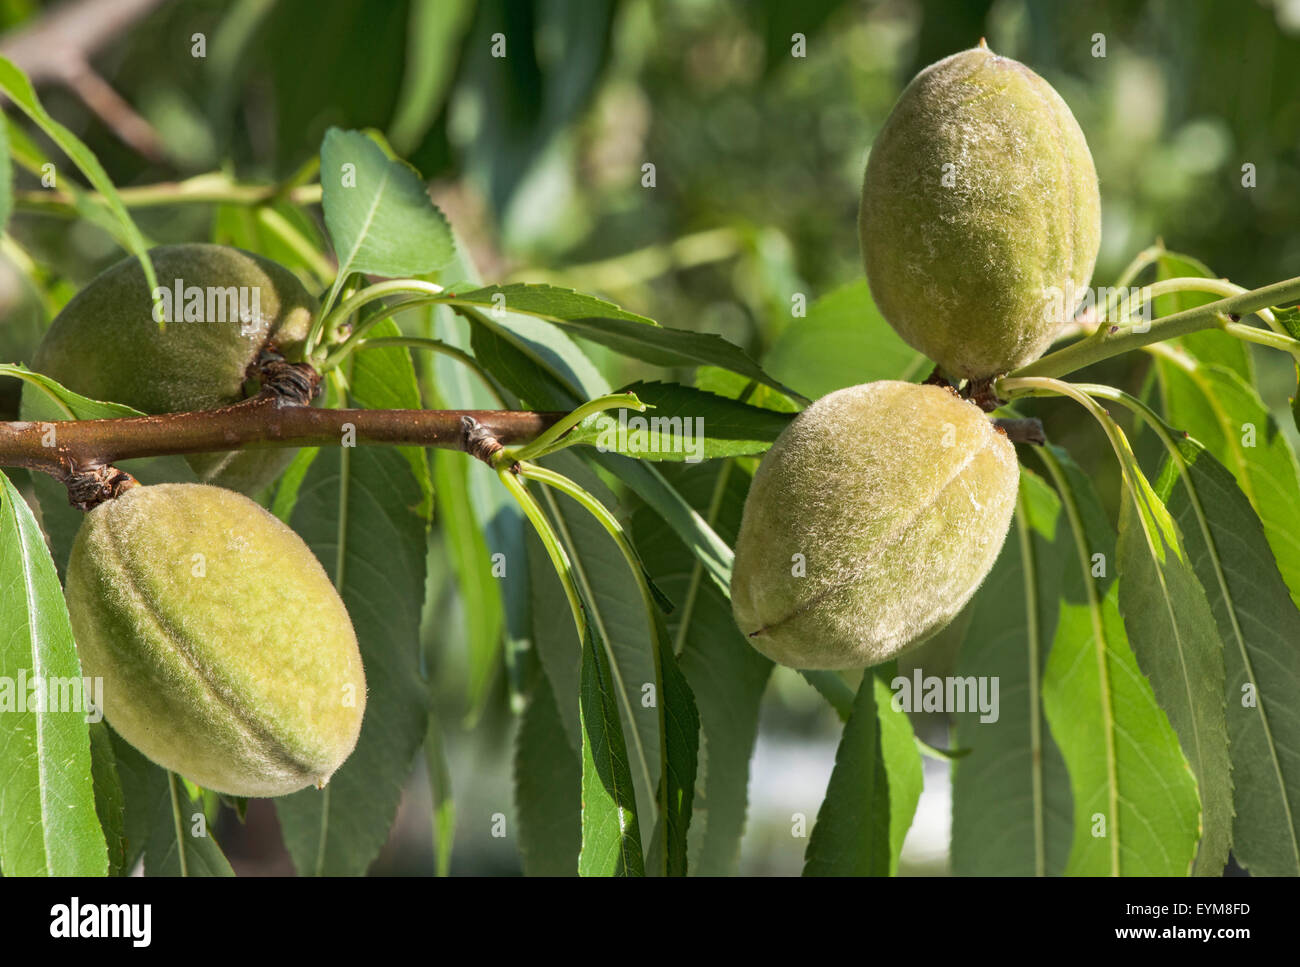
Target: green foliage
{"points": [[873, 791], [48, 825], [1135, 654], [1012, 813]]}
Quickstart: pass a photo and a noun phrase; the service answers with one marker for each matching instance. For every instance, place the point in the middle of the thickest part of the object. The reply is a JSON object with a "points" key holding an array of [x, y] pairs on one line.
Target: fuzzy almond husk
{"points": [[870, 523], [226, 653], [981, 214], [106, 345]]}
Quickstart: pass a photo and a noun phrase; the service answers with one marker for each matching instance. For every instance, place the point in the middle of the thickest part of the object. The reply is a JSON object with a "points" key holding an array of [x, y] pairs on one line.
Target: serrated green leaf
{"points": [[356, 509], [683, 424], [548, 783], [1223, 412], [873, 791], [1136, 809], [48, 823], [611, 838], [1177, 644], [726, 674], [377, 210], [110, 802], [151, 820], [607, 324], [1260, 626], [615, 610], [180, 823], [1011, 807], [471, 561], [547, 371]]}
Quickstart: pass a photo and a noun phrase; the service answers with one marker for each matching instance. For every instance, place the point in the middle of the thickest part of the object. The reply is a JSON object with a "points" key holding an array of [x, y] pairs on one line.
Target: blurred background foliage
{"points": [[537, 157]]}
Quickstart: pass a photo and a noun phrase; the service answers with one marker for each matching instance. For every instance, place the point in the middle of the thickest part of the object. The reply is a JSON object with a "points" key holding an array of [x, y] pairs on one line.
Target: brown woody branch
{"points": [[68, 447]]}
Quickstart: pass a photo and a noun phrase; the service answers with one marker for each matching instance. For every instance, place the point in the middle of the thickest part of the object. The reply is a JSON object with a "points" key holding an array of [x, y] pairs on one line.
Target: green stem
{"points": [[615, 530], [283, 229], [1070, 505], [330, 318], [446, 349], [357, 336], [559, 559], [1011, 387], [1104, 343], [545, 442], [1263, 337], [1146, 257], [1220, 287], [641, 265], [210, 188]]}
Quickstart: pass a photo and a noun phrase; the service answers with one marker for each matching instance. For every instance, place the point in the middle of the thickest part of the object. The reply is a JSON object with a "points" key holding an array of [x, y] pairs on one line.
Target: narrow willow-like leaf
{"points": [[1136, 809], [1011, 808], [726, 674], [1224, 412], [48, 824], [873, 791], [678, 718], [833, 688], [377, 210], [150, 821], [1177, 644], [110, 802], [546, 371], [1260, 627], [683, 424], [652, 486], [616, 611], [15, 83], [548, 782], [611, 838], [681, 742], [471, 561], [611, 841], [180, 842], [6, 179], [444, 804], [625, 332], [357, 510]]}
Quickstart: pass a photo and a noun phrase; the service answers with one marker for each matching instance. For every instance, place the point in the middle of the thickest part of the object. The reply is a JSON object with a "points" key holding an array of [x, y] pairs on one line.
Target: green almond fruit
{"points": [[981, 216], [223, 305], [873, 519], [225, 652]]}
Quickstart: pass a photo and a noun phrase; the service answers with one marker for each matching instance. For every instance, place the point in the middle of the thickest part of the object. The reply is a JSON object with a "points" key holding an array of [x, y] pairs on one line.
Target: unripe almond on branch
{"points": [[980, 217], [225, 652], [225, 306], [872, 520]]}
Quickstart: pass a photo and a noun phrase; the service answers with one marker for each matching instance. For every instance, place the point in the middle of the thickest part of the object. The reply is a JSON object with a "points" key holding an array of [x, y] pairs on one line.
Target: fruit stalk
{"points": [[1113, 341]]}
